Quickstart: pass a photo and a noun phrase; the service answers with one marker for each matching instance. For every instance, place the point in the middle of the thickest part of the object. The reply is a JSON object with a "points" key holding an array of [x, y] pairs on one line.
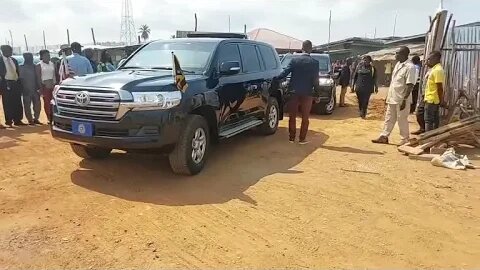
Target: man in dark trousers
{"points": [[31, 87], [344, 81], [10, 88], [304, 81]]}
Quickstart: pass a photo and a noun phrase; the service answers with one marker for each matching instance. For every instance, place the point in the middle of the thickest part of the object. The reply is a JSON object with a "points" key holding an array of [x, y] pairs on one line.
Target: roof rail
{"points": [[216, 35]]}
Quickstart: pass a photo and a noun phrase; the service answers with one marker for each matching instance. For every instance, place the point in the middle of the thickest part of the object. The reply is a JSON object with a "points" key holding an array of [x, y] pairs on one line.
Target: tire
{"points": [[90, 152], [181, 158], [325, 108], [272, 118]]}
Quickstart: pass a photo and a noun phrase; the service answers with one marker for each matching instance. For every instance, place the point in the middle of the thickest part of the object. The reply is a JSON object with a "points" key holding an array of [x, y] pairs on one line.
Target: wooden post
{"points": [[44, 41], [68, 37], [26, 44], [93, 37], [245, 29]]}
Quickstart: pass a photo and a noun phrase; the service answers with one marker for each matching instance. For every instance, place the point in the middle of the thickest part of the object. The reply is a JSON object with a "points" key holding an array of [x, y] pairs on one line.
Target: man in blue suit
{"points": [[303, 83]]}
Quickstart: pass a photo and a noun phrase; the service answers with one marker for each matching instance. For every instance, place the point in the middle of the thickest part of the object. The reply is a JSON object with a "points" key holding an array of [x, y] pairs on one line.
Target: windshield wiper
{"points": [[133, 68], [169, 68]]}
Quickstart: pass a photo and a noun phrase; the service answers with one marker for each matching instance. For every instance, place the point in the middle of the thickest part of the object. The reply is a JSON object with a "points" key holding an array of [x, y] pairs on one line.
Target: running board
{"points": [[239, 128]]}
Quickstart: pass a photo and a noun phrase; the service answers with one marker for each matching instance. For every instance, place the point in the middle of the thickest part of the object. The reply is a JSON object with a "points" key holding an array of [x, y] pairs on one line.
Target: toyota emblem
{"points": [[82, 98]]}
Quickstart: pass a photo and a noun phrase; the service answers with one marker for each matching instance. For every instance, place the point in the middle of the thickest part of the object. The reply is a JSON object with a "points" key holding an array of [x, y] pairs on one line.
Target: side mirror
{"points": [[230, 68]]}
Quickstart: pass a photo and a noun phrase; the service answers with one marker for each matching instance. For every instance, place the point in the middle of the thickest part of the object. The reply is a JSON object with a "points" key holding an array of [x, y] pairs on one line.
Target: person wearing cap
{"points": [[79, 64], [64, 70]]}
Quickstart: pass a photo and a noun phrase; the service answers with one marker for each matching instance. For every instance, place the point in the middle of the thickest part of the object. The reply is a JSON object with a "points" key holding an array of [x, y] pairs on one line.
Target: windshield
{"points": [[323, 62], [193, 56]]}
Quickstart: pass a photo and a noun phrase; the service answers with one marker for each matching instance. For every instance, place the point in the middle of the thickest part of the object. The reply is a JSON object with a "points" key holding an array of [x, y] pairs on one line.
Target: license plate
{"points": [[82, 128]]}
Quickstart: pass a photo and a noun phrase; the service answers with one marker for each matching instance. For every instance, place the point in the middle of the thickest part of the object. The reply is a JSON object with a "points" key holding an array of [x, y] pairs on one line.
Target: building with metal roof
{"points": [[281, 42]]}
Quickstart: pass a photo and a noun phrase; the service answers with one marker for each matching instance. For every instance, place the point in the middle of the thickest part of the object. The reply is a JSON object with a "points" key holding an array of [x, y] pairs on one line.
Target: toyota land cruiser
{"points": [[138, 107]]}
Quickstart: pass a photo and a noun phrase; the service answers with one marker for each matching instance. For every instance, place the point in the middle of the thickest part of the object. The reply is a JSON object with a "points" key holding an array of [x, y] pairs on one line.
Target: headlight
{"points": [[160, 100], [326, 81]]}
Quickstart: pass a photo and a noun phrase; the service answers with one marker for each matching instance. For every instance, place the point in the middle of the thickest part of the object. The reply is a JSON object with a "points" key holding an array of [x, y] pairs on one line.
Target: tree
{"points": [[144, 32]]}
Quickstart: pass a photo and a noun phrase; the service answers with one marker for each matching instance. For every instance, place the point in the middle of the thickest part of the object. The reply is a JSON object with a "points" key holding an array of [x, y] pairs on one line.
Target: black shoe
{"points": [[381, 140], [20, 123], [9, 124], [418, 132], [36, 122], [31, 123]]}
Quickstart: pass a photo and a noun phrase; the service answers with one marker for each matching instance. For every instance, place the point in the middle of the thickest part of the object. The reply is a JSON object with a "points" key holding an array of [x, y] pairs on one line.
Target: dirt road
{"points": [[260, 203]]}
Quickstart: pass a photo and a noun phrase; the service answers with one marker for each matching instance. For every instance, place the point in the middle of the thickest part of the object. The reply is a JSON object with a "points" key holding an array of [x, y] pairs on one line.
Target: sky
{"points": [[302, 19]]}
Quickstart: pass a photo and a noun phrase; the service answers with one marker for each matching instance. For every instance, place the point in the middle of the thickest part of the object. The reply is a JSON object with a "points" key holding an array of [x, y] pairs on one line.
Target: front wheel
{"points": [[270, 125], [326, 108], [191, 150], [90, 152]]}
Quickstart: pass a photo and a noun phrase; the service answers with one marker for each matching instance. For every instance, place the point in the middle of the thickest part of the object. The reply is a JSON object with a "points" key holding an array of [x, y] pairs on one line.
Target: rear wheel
{"points": [[191, 150], [272, 117], [90, 152]]}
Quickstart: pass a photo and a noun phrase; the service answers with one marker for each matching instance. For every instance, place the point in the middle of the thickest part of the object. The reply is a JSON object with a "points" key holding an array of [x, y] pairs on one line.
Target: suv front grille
{"points": [[103, 103]]}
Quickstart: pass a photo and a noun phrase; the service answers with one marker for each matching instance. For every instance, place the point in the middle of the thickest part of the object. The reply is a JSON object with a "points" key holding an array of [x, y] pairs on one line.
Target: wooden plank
{"points": [[411, 150], [424, 157], [454, 132], [446, 128]]}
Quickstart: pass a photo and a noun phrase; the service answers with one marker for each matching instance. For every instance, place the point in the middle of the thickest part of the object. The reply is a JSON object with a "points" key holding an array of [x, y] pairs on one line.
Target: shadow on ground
{"points": [[11, 136], [233, 167], [351, 150]]}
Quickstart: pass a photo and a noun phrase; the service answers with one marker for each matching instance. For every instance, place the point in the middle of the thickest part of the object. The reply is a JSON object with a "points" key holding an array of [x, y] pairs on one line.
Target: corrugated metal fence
{"points": [[461, 54]]}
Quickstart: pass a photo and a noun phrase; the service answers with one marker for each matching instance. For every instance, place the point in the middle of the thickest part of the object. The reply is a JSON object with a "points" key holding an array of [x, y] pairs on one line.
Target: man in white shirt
{"points": [[10, 88], [399, 97]]}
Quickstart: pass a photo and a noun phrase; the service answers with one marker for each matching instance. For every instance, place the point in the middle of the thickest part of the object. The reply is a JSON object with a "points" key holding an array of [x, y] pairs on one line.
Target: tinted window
{"points": [[323, 62], [227, 53], [269, 57], [250, 60], [192, 56]]}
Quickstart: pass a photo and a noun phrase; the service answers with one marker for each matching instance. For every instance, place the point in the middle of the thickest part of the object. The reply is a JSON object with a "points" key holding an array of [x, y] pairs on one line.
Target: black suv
{"points": [[138, 107], [326, 98]]}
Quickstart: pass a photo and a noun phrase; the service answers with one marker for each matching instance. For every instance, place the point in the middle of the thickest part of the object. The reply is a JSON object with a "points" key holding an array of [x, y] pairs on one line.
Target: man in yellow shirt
{"points": [[434, 91]]}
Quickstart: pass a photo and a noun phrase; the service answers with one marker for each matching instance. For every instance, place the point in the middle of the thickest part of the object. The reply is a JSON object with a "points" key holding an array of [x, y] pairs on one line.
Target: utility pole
{"points": [[93, 37], [26, 44], [11, 38], [329, 29], [68, 37], [245, 29], [375, 33], [229, 23], [44, 41], [196, 22], [395, 24]]}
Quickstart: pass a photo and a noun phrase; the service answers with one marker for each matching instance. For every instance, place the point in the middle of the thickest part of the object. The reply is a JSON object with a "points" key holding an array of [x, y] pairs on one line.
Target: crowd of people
{"points": [[405, 95], [22, 86]]}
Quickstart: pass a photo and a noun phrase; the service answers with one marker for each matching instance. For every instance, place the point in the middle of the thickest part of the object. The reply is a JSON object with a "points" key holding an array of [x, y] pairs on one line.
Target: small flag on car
{"points": [[178, 75]]}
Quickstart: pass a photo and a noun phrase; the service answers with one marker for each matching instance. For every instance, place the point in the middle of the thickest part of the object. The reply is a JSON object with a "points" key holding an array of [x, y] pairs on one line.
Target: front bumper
{"points": [[323, 95], [136, 130]]}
